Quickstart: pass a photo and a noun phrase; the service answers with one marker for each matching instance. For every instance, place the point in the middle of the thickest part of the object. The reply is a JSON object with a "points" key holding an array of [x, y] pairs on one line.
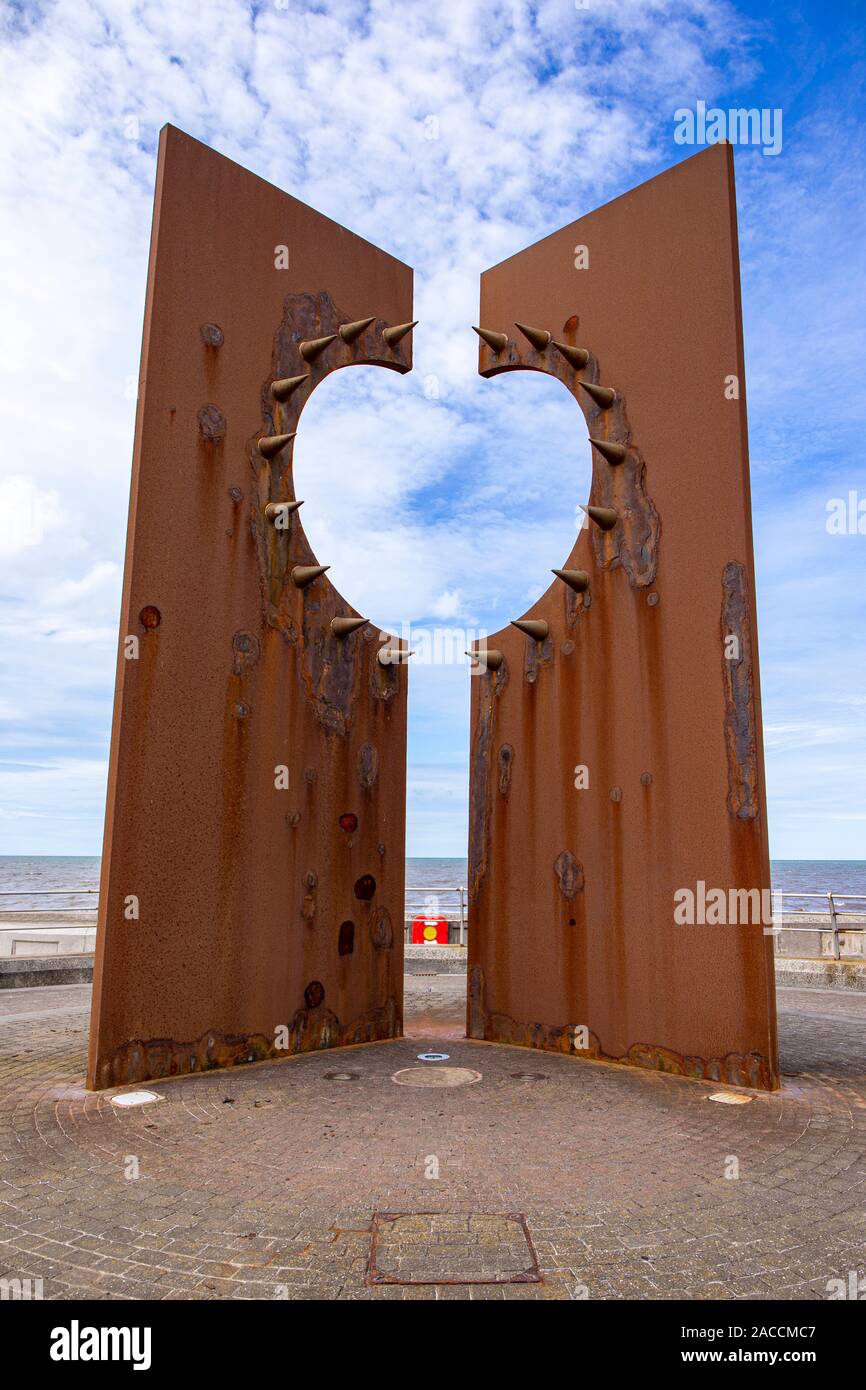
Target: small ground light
{"points": [[730, 1098], [135, 1098], [433, 1056]]}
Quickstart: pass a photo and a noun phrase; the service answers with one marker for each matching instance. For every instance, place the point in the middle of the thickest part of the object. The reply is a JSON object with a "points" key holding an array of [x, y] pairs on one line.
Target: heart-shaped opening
{"points": [[441, 506]]}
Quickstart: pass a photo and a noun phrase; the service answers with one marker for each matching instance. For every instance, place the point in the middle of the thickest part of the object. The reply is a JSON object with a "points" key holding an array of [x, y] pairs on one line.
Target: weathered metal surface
{"points": [[256, 804], [572, 888]]}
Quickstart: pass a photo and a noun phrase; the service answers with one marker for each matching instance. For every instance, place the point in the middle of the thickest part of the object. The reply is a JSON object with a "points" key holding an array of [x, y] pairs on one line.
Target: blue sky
{"points": [[452, 135]]}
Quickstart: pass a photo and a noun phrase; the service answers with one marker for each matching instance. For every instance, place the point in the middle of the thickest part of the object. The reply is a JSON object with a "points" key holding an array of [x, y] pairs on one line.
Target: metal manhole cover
{"points": [[433, 1056], [436, 1076], [451, 1248]]}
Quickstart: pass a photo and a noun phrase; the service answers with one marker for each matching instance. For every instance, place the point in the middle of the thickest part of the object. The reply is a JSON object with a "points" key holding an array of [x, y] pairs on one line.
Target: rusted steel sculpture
{"points": [[616, 732], [253, 873]]}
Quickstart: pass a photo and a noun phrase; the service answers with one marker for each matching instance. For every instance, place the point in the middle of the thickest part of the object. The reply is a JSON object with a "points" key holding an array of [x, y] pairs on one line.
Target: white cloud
{"points": [[453, 510]]}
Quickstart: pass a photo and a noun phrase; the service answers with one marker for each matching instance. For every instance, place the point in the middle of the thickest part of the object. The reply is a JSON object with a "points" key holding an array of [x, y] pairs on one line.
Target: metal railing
{"points": [[455, 911], [12, 919], [833, 912]]}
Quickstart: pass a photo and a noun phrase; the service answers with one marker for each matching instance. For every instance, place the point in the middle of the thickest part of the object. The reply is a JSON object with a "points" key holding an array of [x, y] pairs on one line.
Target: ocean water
{"points": [[25, 876]]}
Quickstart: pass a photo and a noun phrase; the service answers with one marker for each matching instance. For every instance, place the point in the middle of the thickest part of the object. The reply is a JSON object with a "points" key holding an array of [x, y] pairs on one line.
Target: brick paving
{"points": [[263, 1183]]}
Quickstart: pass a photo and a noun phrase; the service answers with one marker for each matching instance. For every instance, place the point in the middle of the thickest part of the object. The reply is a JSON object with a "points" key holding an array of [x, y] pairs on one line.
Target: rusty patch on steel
{"points": [[382, 930], [494, 683], [740, 739], [212, 424], [245, 646], [368, 765], [538, 655], [425, 1248], [311, 1028], [506, 762], [737, 1069], [365, 888], [569, 874]]}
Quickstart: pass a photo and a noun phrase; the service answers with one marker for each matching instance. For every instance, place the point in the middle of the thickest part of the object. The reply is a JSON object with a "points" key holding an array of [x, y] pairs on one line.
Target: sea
{"points": [[26, 876]]}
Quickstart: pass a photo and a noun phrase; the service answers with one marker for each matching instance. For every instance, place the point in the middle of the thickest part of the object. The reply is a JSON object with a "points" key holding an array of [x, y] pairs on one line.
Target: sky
{"points": [[452, 135]]}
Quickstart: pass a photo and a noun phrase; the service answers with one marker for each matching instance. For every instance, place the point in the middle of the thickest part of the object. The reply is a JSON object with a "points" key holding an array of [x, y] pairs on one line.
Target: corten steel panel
{"points": [[572, 891], [258, 908]]}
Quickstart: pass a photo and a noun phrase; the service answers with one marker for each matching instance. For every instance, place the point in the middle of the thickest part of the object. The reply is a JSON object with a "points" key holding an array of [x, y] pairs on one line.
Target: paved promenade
{"points": [[565, 1179]]}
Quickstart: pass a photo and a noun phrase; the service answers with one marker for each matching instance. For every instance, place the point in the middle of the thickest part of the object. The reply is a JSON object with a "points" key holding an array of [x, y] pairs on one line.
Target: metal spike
{"points": [[605, 517], [271, 444], [614, 453], [487, 657], [302, 575], [602, 395], [350, 331], [282, 389], [342, 627], [536, 628], [392, 656], [392, 336], [497, 341], [578, 580], [537, 336], [275, 510], [312, 347], [578, 357]]}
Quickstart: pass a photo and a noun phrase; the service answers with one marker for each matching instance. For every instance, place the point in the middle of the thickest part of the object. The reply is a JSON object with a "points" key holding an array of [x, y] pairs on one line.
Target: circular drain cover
{"points": [[436, 1076], [342, 1075], [135, 1098], [433, 1056], [529, 1076]]}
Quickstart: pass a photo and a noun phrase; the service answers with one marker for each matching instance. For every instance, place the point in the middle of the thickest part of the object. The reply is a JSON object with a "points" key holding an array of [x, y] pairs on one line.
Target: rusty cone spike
{"points": [[312, 347], [392, 336], [614, 453], [342, 627], [302, 575], [496, 341], [536, 628], [282, 389], [273, 443], [605, 517], [578, 357], [602, 395], [392, 656], [489, 657], [578, 580], [350, 331], [275, 510], [537, 336]]}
